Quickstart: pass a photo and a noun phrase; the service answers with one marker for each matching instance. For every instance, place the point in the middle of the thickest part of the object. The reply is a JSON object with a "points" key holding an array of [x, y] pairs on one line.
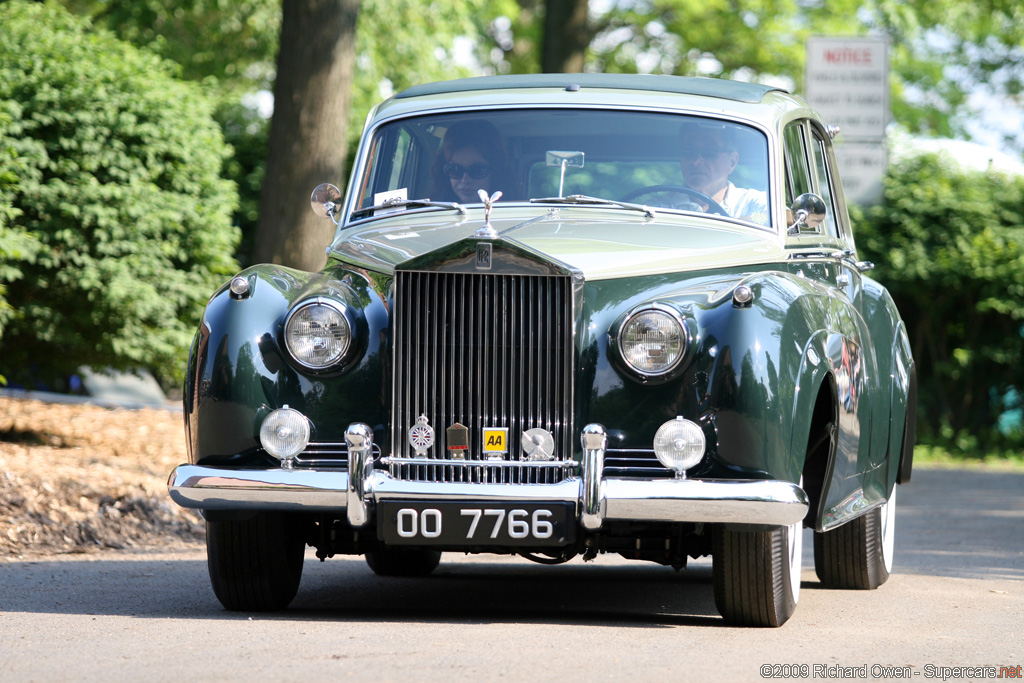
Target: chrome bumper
{"points": [[597, 499]]}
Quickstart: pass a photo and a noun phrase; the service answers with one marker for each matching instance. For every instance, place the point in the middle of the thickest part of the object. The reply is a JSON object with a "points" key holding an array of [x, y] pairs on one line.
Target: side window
{"points": [[393, 160], [824, 178], [798, 177]]}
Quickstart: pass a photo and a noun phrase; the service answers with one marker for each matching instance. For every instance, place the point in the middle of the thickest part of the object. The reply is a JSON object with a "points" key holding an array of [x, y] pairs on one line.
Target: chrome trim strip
{"points": [[388, 460], [713, 501], [387, 488], [665, 500], [594, 440], [359, 438], [218, 488], [654, 500]]}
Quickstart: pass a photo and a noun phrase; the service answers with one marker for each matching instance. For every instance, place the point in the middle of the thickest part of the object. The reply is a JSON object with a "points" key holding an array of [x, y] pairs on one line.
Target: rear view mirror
{"points": [[564, 160]]}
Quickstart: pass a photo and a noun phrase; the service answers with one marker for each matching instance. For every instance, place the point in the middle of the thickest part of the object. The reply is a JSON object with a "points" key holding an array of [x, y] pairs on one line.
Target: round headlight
{"points": [[679, 444], [285, 433], [652, 341], [317, 334]]}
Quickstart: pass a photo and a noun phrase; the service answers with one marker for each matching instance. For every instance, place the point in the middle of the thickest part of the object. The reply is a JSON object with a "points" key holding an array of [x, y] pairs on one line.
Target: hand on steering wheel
{"points": [[703, 199]]}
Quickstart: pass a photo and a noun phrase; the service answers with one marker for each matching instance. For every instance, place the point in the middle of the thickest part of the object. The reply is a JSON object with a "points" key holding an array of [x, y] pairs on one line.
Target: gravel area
{"points": [[82, 478]]}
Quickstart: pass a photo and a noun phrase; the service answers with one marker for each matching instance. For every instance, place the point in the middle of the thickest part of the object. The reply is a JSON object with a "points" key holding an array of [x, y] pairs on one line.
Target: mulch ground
{"points": [[81, 478]]}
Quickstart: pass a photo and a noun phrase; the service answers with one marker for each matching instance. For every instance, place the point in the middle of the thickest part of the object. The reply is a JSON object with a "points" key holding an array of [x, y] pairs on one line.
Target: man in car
{"points": [[709, 156]]}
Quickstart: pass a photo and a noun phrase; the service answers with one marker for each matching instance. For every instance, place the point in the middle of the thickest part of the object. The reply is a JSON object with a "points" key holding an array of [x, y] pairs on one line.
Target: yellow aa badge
{"points": [[495, 440]]}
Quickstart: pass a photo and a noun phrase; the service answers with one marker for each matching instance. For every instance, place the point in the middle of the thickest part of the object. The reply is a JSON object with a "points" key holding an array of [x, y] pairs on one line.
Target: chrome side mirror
{"points": [[808, 213], [325, 201]]}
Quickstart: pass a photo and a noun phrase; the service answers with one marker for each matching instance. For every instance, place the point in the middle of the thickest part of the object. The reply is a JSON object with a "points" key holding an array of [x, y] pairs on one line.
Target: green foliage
{"points": [[233, 41], [246, 132], [16, 246], [400, 43], [940, 50], [949, 245], [120, 185]]}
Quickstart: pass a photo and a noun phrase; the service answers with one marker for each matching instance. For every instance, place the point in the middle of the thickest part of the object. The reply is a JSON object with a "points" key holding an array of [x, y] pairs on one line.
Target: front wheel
{"points": [[255, 565], [858, 555], [757, 575]]}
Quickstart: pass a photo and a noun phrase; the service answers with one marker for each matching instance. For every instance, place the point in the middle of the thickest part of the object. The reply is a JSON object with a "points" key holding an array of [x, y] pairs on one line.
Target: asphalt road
{"points": [[955, 599]]}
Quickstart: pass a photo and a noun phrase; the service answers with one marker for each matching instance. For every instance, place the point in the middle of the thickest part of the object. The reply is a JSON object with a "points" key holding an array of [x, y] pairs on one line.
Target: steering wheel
{"points": [[713, 206]]}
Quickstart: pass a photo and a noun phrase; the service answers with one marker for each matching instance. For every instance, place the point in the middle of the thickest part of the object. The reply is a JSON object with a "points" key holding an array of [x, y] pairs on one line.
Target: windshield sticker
{"points": [[398, 195]]}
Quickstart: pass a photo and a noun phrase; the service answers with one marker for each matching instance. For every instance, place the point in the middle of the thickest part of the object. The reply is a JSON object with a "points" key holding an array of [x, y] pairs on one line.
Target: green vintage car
{"points": [[562, 315]]}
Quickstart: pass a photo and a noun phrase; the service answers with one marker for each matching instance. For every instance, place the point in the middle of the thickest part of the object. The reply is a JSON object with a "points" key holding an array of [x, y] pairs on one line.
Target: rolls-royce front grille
{"points": [[485, 351]]}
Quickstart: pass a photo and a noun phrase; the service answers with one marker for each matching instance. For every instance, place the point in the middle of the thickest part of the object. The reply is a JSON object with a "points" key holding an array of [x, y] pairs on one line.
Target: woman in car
{"points": [[472, 158]]}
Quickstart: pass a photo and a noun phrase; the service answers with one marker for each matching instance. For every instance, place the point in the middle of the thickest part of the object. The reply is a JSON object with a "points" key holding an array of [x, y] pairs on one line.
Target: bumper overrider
{"points": [[596, 498]]}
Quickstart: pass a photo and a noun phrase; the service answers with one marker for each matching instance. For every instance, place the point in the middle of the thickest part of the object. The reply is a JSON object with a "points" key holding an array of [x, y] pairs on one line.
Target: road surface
{"points": [[955, 599]]}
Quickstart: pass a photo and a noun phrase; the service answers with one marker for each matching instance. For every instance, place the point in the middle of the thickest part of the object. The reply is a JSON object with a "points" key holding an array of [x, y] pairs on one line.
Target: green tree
{"points": [[949, 245], [398, 43], [231, 41], [120, 184], [941, 50], [315, 68]]}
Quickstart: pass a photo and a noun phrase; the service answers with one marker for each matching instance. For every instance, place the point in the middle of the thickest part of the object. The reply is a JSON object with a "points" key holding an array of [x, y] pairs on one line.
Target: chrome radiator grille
{"points": [[483, 350]]}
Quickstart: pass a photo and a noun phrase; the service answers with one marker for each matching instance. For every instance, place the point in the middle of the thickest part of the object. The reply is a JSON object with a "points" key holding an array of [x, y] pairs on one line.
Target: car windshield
{"points": [[665, 161]]}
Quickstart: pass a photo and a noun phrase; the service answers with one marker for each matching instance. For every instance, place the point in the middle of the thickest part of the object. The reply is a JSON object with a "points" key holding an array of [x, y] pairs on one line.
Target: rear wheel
{"points": [[757, 575], [255, 565], [403, 562], [858, 555]]}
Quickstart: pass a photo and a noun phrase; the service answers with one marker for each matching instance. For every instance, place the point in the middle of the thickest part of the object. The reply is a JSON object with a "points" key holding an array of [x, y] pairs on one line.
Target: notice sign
{"points": [[861, 168], [847, 81]]}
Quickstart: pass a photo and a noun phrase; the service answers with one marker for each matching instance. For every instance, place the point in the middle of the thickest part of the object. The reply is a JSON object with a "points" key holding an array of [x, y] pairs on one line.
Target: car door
{"points": [[826, 253]]}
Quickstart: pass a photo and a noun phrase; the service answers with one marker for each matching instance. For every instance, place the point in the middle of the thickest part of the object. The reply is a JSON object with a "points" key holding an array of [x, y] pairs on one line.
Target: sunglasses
{"points": [[705, 154], [476, 171]]}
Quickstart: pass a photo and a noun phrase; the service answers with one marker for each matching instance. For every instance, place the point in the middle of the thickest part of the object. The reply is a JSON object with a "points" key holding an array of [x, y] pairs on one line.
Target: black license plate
{"points": [[476, 524]]}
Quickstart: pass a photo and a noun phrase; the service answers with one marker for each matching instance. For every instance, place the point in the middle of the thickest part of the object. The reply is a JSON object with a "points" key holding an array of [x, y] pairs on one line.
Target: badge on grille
{"points": [[538, 444], [457, 438], [421, 436], [483, 257], [495, 442]]}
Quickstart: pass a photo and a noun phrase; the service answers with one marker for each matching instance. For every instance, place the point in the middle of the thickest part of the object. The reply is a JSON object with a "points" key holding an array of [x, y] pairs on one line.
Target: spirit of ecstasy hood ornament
{"points": [[487, 231]]}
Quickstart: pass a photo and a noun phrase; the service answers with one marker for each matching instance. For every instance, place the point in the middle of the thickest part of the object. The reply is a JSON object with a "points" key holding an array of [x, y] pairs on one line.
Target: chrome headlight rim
{"points": [[686, 340], [343, 311]]}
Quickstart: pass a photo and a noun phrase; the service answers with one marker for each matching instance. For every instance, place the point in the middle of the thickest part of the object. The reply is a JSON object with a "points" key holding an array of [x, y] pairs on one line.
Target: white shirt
{"points": [[744, 203], [738, 202]]}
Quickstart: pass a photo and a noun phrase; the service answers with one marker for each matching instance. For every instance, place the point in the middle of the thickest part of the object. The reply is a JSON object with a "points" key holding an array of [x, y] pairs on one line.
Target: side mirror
{"points": [[808, 212], [325, 200]]}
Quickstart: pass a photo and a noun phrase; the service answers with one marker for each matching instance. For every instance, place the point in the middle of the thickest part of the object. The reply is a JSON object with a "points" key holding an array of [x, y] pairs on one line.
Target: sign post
{"points": [[847, 82]]}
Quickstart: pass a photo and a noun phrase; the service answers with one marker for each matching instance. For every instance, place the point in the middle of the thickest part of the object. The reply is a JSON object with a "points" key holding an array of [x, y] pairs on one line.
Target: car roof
{"points": [[709, 87]]}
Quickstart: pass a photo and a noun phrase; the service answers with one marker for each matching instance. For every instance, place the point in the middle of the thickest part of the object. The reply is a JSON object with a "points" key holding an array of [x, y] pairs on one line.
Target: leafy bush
{"points": [[120, 183], [15, 245], [949, 244]]}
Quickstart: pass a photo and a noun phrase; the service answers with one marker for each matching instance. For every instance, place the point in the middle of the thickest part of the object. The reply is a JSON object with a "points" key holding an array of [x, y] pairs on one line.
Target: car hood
{"points": [[599, 243]]}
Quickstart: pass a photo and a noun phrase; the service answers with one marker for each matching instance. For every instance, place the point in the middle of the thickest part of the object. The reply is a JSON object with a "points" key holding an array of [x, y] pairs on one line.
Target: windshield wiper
{"points": [[402, 203], [594, 201]]}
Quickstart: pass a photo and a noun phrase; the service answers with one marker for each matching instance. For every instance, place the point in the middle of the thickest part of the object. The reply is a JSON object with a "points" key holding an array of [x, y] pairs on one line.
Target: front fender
{"points": [[239, 369]]}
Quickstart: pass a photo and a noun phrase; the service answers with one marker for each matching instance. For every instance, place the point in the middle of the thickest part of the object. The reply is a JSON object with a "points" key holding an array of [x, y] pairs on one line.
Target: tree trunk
{"points": [[566, 36], [315, 68]]}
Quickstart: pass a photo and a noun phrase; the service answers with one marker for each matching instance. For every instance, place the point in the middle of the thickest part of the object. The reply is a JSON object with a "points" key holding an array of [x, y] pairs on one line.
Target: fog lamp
{"points": [[679, 445], [285, 433]]}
